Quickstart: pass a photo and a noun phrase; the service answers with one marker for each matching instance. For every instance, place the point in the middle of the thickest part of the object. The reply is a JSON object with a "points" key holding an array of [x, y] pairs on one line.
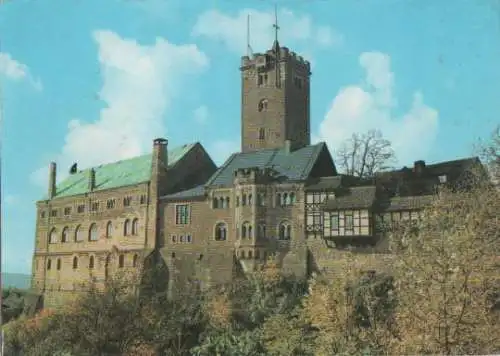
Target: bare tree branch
{"points": [[365, 154]]}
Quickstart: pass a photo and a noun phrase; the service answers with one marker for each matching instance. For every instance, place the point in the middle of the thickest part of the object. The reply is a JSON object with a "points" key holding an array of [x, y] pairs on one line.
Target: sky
{"points": [[94, 81]]}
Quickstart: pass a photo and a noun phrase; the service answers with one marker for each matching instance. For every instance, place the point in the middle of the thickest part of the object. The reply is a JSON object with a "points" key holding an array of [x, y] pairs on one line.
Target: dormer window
{"points": [[442, 179]]}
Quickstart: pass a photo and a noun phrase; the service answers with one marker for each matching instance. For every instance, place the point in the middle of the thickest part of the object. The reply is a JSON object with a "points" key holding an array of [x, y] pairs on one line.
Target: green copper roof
{"points": [[117, 174]]}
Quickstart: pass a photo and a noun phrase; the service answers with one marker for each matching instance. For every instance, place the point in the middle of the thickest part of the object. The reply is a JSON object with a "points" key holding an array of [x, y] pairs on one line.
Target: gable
{"points": [[324, 165]]}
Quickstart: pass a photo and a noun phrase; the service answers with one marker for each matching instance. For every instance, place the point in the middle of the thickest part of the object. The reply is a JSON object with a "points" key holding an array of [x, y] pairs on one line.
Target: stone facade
{"points": [[279, 198]]}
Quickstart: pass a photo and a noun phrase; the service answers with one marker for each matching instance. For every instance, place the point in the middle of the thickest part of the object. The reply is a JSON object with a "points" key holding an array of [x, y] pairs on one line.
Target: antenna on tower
{"points": [[276, 47], [249, 47], [275, 25]]}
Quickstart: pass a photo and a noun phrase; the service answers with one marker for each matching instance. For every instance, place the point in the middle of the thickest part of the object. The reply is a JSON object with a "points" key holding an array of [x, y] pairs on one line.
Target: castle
{"points": [[280, 197]]}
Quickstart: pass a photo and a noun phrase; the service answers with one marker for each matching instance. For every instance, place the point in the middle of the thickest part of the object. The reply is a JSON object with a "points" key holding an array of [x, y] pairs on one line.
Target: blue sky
{"points": [[94, 81]]}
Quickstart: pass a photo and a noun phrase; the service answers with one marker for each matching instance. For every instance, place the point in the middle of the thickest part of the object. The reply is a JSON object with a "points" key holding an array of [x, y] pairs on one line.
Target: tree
{"points": [[365, 154], [446, 272], [350, 314], [489, 151]]}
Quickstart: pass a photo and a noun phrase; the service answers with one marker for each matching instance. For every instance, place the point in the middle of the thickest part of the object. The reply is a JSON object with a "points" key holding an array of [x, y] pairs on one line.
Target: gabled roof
{"points": [[353, 198], [117, 174], [293, 166]]}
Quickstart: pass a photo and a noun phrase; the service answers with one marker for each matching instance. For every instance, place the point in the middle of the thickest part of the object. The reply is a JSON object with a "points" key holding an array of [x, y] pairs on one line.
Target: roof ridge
{"points": [[134, 157], [471, 158]]}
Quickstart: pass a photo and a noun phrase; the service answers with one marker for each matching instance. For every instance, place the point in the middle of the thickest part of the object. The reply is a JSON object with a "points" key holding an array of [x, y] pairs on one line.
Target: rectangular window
{"points": [[80, 208], [94, 206], [127, 201], [349, 221], [334, 221], [182, 214], [143, 199], [110, 204], [53, 213], [67, 211], [42, 214]]}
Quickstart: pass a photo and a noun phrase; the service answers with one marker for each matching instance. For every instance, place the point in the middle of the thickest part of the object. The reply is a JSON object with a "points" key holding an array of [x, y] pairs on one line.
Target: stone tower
{"points": [[275, 100]]}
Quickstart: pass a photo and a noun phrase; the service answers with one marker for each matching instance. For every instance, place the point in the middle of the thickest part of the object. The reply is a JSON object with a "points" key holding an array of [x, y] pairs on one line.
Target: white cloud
{"points": [[232, 30], [138, 84], [15, 70], [371, 104], [11, 200], [200, 115]]}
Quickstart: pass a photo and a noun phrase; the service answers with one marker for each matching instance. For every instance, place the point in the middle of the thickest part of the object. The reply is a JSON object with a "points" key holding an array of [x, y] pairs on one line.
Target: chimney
{"points": [[160, 152], [159, 165], [91, 179], [52, 180], [419, 167], [288, 146]]}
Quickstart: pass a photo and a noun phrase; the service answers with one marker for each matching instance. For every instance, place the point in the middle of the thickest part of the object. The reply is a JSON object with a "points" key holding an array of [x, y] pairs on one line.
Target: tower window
{"points": [[263, 105], [262, 134], [262, 79]]}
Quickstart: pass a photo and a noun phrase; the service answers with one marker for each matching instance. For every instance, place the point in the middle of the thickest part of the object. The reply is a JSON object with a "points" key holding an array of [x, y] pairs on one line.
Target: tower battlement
{"points": [[266, 60]]}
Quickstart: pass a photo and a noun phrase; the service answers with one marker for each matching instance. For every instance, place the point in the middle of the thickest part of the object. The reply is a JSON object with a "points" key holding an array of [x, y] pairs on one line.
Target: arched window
{"points": [[242, 254], [126, 228], [53, 236], [220, 232], [250, 254], [75, 262], [134, 261], [215, 203], [292, 198], [257, 254], [246, 230], [221, 203], [49, 264], [135, 227], [288, 199], [78, 234], [284, 198], [278, 199], [91, 262], [65, 235], [244, 199], [237, 201], [109, 229], [250, 199], [285, 231], [121, 261], [93, 233], [227, 203], [263, 105], [58, 264]]}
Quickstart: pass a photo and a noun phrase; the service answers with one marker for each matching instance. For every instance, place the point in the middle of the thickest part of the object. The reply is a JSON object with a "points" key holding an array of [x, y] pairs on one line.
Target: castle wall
{"points": [[66, 276]]}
